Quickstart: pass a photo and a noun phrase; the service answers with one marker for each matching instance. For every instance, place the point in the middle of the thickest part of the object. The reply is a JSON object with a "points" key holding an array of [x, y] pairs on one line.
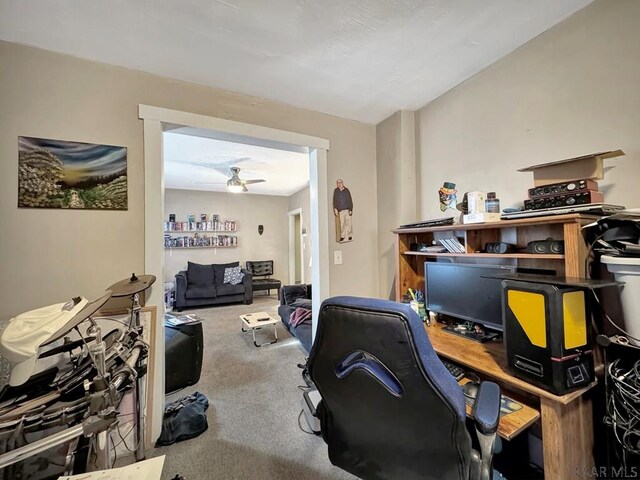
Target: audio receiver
{"points": [[561, 188], [568, 200]]}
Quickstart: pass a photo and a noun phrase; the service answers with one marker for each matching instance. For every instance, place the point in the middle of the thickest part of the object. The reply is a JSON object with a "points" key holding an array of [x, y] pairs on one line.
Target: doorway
{"points": [[297, 247], [156, 120]]}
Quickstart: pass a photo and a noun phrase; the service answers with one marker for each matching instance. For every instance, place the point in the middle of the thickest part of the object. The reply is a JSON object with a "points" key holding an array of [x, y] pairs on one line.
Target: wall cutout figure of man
{"points": [[343, 210]]}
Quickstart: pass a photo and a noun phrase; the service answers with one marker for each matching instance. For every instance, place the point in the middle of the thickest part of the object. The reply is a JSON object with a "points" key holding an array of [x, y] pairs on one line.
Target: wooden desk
{"points": [[567, 423]]}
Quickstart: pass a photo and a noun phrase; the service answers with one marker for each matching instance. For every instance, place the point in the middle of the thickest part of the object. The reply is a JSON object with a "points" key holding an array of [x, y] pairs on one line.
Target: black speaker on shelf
{"points": [[499, 247], [546, 246], [183, 347]]}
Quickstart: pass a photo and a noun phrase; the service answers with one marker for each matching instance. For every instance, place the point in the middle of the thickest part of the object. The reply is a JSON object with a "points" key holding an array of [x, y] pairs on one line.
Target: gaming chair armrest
{"points": [[486, 408], [486, 414]]}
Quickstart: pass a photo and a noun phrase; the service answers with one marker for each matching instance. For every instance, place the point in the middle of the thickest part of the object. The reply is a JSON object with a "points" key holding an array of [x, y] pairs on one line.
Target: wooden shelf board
{"points": [[520, 222], [550, 256]]}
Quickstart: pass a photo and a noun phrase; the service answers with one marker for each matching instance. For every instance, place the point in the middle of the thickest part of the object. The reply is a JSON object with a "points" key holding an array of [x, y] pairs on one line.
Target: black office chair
{"points": [[390, 409]]}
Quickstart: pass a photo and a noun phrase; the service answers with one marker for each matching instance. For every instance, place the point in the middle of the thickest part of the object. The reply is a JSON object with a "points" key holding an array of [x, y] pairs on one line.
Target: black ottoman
{"points": [[183, 347]]}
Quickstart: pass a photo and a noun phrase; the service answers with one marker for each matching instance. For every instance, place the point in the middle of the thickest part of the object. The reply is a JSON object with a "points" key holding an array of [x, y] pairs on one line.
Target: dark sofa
{"points": [[204, 285], [292, 297]]}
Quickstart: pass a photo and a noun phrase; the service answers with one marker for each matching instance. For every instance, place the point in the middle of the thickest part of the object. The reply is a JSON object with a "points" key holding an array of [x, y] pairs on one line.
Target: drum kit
{"points": [[62, 420]]}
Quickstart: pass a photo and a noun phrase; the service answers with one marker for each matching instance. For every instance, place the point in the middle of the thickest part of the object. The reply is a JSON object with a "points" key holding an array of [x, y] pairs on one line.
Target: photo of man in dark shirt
{"points": [[343, 210]]}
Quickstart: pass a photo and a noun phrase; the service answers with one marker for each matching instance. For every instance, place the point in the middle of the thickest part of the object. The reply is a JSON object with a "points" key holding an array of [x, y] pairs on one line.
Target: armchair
{"points": [[389, 408]]}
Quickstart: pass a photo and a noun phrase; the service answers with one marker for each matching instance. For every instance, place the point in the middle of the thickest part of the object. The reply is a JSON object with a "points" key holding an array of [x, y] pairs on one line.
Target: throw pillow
{"points": [[199, 274], [218, 269], [233, 275]]}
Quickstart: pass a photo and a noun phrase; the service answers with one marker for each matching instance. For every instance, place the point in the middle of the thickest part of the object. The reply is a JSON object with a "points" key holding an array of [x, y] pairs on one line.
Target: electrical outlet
{"points": [[337, 257]]}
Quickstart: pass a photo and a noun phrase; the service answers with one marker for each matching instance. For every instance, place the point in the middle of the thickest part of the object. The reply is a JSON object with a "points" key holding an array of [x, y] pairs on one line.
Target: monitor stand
{"points": [[474, 336]]}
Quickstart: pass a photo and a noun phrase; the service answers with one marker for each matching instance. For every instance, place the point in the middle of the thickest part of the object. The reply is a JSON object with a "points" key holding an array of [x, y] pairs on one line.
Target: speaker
{"points": [[547, 334], [546, 246], [183, 348], [499, 247]]}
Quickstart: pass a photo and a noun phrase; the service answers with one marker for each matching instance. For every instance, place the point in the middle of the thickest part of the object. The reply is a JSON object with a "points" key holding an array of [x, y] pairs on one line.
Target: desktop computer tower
{"points": [[547, 334], [183, 349]]}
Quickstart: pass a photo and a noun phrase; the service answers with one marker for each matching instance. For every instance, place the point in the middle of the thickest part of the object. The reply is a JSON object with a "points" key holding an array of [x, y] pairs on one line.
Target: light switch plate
{"points": [[337, 257]]}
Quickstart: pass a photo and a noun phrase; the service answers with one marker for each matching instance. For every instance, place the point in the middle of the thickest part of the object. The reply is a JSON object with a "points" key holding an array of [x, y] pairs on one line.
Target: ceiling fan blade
{"points": [[249, 182]]}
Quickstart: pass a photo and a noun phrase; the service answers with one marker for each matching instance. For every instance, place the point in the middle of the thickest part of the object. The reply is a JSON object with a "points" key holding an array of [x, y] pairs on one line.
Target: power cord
{"points": [[623, 406], [300, 424]]}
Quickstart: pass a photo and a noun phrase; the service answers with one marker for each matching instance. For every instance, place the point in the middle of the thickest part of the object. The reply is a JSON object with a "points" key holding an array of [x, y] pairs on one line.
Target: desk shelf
{"points": [[550, 256], [410, 263]]}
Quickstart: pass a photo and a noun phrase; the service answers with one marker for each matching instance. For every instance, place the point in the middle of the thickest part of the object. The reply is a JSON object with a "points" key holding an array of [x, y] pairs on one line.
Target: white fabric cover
{"points": [[25, 333]]}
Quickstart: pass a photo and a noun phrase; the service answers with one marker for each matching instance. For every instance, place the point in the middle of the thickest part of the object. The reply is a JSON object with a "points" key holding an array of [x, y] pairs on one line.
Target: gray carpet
{"points": [[254, 402]]}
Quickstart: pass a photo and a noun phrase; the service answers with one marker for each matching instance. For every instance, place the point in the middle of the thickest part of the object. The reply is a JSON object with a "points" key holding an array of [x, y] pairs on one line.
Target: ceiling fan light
{"points": [[235, 188]]}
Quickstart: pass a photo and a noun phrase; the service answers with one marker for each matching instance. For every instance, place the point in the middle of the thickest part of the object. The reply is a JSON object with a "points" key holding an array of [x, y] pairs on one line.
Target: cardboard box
{"points": [[577, 168], [480, 218]]}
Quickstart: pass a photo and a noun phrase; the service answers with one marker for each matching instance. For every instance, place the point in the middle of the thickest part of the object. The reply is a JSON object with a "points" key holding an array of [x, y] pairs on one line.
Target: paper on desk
{"points": [[146, 470]]}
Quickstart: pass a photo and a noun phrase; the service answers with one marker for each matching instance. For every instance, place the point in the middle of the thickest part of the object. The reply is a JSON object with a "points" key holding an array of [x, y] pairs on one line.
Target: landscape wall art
{"points": [[63, 174]]}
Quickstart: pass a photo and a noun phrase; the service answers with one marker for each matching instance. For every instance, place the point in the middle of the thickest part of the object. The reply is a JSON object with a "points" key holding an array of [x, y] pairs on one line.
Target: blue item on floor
{"points": [[184, 419]]}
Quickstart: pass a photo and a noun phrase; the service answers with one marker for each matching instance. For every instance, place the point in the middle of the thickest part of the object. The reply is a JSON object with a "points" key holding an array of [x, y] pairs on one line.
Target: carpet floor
{"points": [[254, 403]]}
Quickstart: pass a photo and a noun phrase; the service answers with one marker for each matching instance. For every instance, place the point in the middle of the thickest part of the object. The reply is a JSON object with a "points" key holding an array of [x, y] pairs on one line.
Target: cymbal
{"points": [[89, 309], [131, 286]]}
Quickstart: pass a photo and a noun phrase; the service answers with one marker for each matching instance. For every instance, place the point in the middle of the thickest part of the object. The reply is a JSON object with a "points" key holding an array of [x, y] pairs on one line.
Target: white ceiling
{"points": [[200, 163], [359, 59]]}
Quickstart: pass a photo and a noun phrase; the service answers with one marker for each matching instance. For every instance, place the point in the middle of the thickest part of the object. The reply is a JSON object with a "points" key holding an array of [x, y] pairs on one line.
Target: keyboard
{"points": [[429, 223], [454, 370]]}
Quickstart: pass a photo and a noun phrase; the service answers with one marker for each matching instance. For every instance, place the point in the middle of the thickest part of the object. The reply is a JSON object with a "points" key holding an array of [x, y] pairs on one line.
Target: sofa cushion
{"points": [[303, 332], [218, 271], [293, 292], [199, 274], [200, 291], [227, 289], [302, 303], [233, 275]]}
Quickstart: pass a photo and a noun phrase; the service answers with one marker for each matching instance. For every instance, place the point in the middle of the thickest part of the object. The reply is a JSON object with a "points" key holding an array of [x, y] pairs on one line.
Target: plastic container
{"points": [[492, 204], [627, 270]]}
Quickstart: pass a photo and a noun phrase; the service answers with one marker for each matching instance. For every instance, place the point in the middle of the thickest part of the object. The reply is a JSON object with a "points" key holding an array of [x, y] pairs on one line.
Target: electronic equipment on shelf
{"points": [[568, 199], [546, 246], [434, 222], [588, 209], [563, 187], [499, 247]]}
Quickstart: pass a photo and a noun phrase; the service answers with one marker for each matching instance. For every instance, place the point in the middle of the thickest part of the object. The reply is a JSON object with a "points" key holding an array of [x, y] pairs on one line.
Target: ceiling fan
{"points": [[236, 184]]}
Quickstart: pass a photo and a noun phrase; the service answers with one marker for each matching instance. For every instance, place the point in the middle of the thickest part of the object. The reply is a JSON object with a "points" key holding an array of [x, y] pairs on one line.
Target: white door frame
{"points": [[292, 247], [155, 121]]}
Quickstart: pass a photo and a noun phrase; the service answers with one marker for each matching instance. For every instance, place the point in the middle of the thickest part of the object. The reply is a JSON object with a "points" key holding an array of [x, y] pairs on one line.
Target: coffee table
{"points": [[255, 321]]}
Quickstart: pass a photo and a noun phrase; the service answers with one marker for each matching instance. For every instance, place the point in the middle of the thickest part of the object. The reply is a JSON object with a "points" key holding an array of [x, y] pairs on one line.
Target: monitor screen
{"points": [[462, 291]]}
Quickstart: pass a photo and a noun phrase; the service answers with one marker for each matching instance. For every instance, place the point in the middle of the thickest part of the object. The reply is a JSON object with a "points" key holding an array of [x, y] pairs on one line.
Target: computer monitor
{"points": [[463, 291]]}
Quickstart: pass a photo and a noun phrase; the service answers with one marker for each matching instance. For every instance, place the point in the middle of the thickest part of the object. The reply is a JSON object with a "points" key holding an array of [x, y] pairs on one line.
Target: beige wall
{"points": [[302, 200], [48, 256], [248, 211], [397, 183], [571, 91]]}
